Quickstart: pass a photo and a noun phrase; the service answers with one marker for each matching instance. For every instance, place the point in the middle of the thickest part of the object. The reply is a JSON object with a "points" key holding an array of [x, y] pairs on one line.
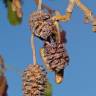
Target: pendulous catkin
{"points": [[34, 81], [55, 56], [41, 24]]}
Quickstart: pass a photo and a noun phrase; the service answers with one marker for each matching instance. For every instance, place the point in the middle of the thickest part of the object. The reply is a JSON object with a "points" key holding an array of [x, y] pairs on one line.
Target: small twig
{"points": [[40, 5], [33, 49], [44, 6], [87, 12]]}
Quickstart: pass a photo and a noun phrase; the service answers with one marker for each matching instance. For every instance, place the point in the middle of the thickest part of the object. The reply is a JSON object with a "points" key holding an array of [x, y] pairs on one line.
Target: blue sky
{"points": [[80, 77]]}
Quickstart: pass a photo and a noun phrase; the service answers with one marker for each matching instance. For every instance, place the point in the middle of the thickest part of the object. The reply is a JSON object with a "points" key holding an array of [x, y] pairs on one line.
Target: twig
{"points": [[33, 49], [40, 5], [58, 31]]}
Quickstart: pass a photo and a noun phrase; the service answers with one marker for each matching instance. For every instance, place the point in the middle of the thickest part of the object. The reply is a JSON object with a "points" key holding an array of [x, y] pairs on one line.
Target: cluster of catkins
{"points": [[53, 53]]}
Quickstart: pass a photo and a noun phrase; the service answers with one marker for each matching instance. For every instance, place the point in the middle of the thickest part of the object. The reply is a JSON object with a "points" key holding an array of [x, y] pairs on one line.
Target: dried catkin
{"points": [[41, 24], [55, 56], [34, 81]]}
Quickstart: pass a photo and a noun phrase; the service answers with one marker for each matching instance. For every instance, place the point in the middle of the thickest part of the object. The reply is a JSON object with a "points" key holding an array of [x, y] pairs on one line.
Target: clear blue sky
{"points": [[80, 75]]}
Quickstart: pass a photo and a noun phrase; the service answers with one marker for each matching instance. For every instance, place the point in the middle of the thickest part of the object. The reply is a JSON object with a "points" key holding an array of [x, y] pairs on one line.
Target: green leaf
{"points": [[48, 91], [12, 17]]}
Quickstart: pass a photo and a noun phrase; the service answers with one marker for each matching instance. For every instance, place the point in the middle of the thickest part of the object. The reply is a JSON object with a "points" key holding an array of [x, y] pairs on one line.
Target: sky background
{"points": [[80, 75]]}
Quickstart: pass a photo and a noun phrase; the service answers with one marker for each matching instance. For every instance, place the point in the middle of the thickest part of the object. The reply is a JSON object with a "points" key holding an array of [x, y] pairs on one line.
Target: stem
{"points": [[40, 5], [33, 50], [71, 6], [58, 32], [87, 11], [44, 6]]}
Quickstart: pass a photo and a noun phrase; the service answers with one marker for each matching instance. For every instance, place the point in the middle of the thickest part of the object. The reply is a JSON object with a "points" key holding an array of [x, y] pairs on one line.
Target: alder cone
{"points": [[55, 56], [41, 24], [34, 81]]}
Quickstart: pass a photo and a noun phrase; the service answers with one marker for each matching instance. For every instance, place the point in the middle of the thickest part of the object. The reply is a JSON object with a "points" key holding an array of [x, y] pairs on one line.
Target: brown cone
{"points": [[41, 24], [55, 56], [55, 59], [34, 81]]}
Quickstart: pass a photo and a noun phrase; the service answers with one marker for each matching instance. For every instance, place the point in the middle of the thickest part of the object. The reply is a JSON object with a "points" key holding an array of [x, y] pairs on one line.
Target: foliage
{"points": [[12, 17]]}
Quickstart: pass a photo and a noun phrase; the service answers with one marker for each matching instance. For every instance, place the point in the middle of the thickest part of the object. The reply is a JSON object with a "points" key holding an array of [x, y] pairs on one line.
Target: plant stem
{"points": [[58, 32], [40, 5], [33, 49]]}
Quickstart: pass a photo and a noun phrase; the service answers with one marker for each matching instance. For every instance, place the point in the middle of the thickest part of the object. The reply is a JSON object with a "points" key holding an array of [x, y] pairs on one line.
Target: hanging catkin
{"points": [[54, 56], [41, 24], [34, 81], [34, 77]]}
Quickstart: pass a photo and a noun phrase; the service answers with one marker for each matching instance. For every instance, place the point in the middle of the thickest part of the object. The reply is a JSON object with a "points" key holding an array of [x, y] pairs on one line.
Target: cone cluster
{"points": [[53, 52], [34, 81]]}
